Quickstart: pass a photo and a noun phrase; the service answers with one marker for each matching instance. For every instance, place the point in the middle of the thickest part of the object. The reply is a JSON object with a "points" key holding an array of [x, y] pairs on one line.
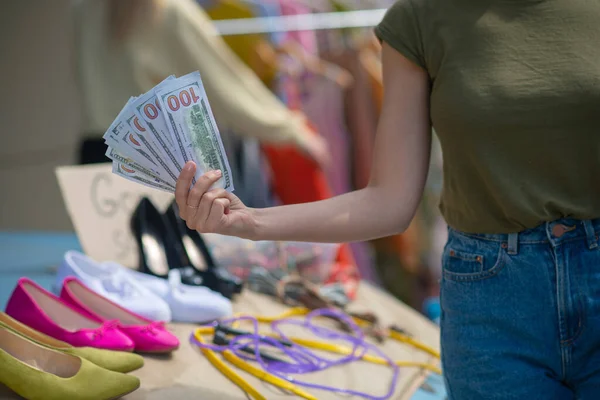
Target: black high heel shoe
{"points": [[159, 245], [193, 251]]}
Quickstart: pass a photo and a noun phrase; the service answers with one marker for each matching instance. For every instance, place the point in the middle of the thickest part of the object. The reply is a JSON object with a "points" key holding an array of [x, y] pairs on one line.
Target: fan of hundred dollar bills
{"points": [[158, 132]]}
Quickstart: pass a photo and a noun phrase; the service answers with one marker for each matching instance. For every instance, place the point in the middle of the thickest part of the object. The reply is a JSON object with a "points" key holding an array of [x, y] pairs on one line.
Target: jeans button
{"points": [[559, 230]]}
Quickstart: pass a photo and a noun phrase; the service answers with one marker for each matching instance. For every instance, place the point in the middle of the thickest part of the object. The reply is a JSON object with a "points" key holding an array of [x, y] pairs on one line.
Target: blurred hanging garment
{"points": [[250, 170], [307, 39], [253, 49], [323, 104], [371, 62], [361, 115], [179, 38]]}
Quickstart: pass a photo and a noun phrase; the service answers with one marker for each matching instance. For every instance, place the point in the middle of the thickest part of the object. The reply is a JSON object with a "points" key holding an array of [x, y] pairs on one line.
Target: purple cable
{"points": [[303, 360]]}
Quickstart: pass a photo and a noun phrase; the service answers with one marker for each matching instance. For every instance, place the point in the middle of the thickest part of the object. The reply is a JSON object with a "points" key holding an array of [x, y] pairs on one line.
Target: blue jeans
{"points": [[521, 313]]}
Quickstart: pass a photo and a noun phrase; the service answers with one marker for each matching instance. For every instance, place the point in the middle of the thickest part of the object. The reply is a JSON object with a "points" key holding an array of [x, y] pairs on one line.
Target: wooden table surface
{"points": [[186, 374]]}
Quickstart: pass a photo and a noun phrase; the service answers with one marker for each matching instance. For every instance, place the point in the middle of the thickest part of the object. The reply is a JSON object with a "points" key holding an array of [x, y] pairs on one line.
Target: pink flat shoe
{"points": [[44, 312], [148, 336]]}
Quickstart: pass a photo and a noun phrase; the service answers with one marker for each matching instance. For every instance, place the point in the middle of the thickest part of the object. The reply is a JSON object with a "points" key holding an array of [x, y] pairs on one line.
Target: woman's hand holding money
{"points": [[211, 210]]}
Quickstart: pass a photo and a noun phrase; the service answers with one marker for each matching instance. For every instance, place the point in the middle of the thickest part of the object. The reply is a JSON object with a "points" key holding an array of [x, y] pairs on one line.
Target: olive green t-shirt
{"points": [[515, 102]]}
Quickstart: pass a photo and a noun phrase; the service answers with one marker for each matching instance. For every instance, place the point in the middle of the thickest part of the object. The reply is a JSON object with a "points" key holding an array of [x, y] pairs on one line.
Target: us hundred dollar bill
{"points": [[146, 139], [122, 139], [193, 128], [148, 109], [132, 164], [139, 177], [113, 135]]}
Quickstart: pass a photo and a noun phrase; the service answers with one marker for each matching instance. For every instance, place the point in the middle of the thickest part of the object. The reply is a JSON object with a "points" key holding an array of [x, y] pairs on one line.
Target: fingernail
{"points": [[217, 172], [188, 167]]}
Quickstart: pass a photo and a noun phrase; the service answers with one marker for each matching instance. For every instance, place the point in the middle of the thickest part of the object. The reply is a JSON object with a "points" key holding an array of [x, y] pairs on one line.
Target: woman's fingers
{"points": [[199, 191], [182, 187], [188, 200], [205, 206], [217, 211]]}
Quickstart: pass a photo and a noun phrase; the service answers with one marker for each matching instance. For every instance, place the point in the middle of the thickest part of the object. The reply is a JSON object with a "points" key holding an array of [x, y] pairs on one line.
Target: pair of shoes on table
{"points": [[166, 243], [36, 366], [112, 283], [147, 295], [83, 318]]}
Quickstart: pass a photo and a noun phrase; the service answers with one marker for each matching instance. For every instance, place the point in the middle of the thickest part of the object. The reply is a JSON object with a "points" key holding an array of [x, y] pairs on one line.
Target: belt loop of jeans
{"points": [[513, 244], [590, 234]]}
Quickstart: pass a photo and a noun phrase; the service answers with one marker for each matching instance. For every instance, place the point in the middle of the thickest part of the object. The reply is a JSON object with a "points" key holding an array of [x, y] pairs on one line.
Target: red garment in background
{"points": [[297, 179]]}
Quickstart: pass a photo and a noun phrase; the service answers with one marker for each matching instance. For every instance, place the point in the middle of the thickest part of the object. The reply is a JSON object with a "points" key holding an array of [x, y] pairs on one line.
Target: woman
{"points": [[512, 88], [126, 47]]}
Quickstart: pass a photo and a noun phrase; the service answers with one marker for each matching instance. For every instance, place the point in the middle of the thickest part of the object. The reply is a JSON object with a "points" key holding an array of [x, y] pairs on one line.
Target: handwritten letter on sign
{"points": [[100, 205]]}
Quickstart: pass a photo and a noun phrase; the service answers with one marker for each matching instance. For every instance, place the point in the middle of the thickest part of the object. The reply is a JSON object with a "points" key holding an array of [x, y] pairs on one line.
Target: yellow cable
{"points": [[339, 349], [300, 311], [265, 376], [204, 330], [228, 372], [400, 337], [292, 312], [324, 346], [408, 340]]}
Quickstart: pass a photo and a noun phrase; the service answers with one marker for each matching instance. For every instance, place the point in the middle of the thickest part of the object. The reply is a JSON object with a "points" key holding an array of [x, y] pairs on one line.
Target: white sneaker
{"points": [[112, 282], [191, 304], [195, 304]]}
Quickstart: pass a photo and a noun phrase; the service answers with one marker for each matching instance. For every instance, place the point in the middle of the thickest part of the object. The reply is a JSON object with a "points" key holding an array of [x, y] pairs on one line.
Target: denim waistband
{"points": [[555, 232]]}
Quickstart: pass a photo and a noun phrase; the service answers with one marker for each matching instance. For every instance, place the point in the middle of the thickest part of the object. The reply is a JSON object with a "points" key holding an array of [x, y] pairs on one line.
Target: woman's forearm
{"points": [[387, 205], [356, 216]]}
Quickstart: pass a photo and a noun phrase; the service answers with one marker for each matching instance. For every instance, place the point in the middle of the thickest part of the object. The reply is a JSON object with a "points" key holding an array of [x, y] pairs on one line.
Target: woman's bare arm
{"points": [[401, 160]]}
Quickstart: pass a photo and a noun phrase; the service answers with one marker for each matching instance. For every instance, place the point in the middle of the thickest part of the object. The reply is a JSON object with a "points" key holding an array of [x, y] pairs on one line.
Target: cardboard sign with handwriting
{"points": [[100, 205]]}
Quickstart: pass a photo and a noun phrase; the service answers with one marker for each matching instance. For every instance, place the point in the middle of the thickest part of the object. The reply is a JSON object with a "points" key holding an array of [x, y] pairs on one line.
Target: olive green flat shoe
{"points": [[117, 361], [37, 372]]}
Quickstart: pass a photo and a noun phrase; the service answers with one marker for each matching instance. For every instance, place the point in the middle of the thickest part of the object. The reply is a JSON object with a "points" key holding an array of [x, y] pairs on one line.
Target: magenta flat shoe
{"points": [[147, 335], [44, 312]]}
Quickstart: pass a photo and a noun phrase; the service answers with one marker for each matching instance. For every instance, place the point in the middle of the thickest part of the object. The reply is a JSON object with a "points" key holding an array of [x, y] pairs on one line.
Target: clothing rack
{"points": [[301, 22]]}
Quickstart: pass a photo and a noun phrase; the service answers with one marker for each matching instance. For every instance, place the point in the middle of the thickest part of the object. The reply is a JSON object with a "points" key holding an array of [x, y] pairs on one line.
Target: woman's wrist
{"points": [[265, 225], [256, 228]]}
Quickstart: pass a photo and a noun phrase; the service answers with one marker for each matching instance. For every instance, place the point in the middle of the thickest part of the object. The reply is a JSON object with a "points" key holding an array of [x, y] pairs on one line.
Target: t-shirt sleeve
{"points": [[400, 29]]}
